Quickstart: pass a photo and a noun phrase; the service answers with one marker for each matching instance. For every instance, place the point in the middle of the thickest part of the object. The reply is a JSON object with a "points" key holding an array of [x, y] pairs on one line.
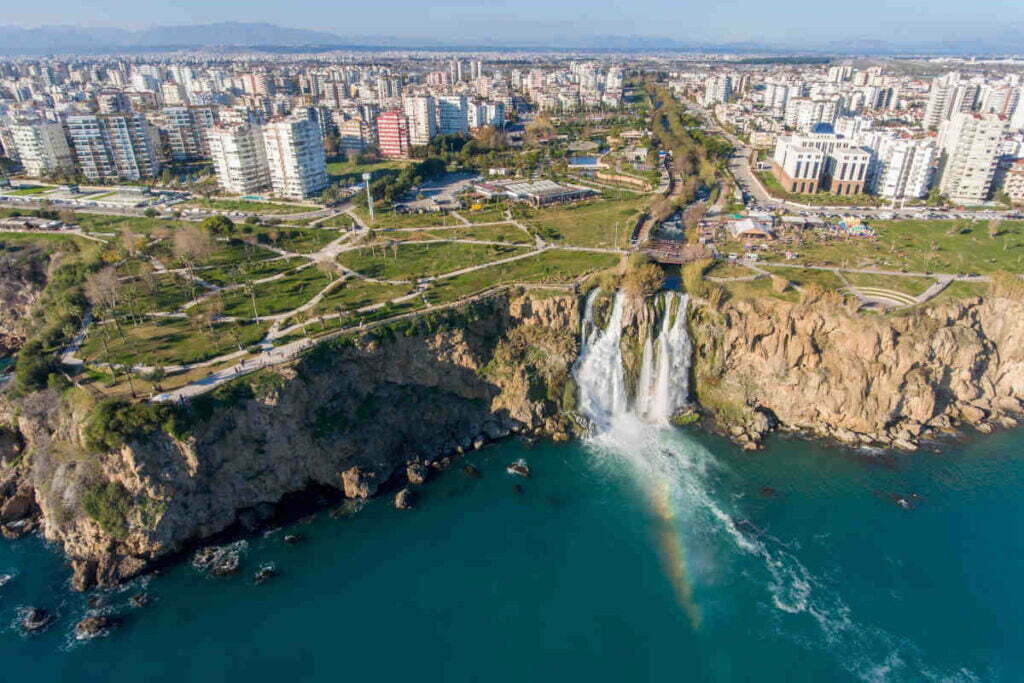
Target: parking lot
{"points": [[439, 193]]}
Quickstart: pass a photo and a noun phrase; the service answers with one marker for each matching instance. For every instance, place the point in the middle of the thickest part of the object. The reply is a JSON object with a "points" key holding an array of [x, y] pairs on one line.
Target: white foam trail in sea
{"points": [[679, 476]]}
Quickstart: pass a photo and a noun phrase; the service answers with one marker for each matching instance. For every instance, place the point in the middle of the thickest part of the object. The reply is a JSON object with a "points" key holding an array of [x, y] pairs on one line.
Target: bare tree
{"points": [[192, 244]]}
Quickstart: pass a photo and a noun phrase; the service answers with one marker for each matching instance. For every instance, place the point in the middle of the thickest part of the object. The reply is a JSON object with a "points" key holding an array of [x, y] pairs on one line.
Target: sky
{"points": [[549, 20]]}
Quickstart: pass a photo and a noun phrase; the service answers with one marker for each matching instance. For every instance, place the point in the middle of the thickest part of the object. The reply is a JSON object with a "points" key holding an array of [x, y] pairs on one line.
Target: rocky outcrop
{"points": [[860, 379], [22, 277], [351, 416]]}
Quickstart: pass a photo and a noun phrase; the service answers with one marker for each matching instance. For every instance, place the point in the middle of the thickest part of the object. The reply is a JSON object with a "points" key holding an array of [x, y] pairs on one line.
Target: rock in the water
{"points": [[93, 626], [226, 565], [96, 601], [519, 468], [35, 619], [292, 539], [471, 472], [264, 574], [416, 473], [358, 483], [404, 500], [139, 600]]}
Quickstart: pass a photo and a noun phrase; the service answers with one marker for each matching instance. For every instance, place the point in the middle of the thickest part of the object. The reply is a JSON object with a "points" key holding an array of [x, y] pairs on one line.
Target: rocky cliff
{"points": [[22, 278], [355, 417], [861, 379]]}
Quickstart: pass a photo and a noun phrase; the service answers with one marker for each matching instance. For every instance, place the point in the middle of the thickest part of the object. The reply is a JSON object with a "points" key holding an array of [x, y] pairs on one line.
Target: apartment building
{"points": [[295, 157], [451, 115], [820, 162], [114, 146], [42, 148], [421, 114], [185, 131], [393, 134], [902, 168], [969, 144], [239, 158]]}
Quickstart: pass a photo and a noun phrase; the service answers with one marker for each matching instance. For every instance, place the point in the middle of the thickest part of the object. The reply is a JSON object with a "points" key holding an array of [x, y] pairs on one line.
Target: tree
{"points": [[218, 225], [150, 213], [994, 229], [191, 245]]}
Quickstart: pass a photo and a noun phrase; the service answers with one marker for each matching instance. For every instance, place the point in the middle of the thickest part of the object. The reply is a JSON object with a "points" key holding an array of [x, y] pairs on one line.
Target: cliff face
{"points": [[351, 417], [22, 278], [860, 379]]}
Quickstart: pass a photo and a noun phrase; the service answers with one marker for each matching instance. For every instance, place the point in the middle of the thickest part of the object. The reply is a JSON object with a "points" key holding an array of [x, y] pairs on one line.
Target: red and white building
{"points": [[393, 134]]}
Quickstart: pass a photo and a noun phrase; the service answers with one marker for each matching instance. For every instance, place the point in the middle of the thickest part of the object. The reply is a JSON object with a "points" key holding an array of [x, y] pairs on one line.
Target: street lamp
{"points": [[369, 194]]}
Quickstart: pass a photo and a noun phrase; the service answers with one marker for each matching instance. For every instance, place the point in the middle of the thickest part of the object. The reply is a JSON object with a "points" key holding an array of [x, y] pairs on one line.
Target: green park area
{"points": [[601, 223], [249, 206], [411, 261]]}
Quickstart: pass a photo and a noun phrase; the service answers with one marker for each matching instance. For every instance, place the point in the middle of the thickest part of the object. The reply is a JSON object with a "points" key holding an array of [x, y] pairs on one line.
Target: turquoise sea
{"points": [[665, 556]]}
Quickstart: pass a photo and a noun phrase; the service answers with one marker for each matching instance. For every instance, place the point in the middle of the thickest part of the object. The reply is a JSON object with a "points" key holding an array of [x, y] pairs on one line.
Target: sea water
{"points": [[798, 563]]}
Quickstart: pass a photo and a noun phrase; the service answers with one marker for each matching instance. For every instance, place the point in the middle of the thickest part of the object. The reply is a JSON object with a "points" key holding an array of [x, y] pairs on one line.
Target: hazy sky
{"points": [[547, 20]]}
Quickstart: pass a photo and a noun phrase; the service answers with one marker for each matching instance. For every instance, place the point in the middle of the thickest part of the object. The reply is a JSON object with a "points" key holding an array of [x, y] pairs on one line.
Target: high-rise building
{"points": [[114, 146], [421, 113], [185, 129], [239, 158], [902, 168], [42, 148], [393, 134], [451, 115], [969, 144], [295, 157], [717, 89], [354, 134]]}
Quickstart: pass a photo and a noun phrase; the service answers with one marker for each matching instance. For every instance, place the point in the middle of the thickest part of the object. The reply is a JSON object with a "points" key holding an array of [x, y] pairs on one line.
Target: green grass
{"points": [[351, 172], [898, 283], [488, 214], [248, 206], [95, 222], [298, 240], [163, 293], [230, 273], [26, 191], [727, 269], [590, 224], [505, 232], [342, 220], [278, 296], [387, 218], [926, 246], [801, 277], [422, 260], [961, 290], [169, 341], [549, 267], [356, 293]]}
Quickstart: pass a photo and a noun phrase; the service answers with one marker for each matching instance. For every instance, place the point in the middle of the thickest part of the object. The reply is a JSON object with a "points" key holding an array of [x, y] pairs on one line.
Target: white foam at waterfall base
{"points": [[666, 462]]}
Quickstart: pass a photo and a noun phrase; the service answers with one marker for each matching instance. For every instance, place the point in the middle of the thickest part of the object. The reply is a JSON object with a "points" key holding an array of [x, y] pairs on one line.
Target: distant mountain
{"points": [[73, 39], [46, 39]]}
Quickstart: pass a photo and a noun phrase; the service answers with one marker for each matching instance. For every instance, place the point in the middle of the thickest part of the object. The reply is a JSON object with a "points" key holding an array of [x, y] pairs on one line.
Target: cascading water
{"points": [[680, 478]]}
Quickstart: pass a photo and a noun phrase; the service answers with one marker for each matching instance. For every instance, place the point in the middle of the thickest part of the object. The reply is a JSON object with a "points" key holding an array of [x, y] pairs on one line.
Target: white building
{"points": [[239, 158], [115, 146], [295, 157], [969, 144], [421, 112], [42, 148], [451, 115], [902, 168]]}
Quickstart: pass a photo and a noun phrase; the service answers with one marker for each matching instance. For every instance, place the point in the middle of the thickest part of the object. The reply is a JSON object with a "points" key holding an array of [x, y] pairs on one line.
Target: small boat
{"points": [[519, 468]]}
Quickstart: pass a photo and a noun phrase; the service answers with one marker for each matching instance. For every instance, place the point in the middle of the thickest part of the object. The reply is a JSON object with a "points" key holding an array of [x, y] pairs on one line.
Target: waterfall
{"points": [[663, 384]]}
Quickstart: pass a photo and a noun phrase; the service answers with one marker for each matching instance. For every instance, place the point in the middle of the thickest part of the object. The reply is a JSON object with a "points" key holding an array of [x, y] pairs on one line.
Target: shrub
{"points": [[114, 422], [108, 504]]}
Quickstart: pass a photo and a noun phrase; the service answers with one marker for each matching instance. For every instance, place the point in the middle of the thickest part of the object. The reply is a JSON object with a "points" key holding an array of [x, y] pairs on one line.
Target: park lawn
{"points": [[342, 220], [357, 293], [590, 224], [906, 284], [277, 296], [155, 293], [249, 206], [384, 219], [801, 277], [298, 240], [229, 274], [422, 260], [26, 191], [926, 247], [756, 289], [96, 222], [227, 253], [488, 214], [169, 341], [352, 171], [961, 290], [552, 266], [504, 232], [728, 269]]}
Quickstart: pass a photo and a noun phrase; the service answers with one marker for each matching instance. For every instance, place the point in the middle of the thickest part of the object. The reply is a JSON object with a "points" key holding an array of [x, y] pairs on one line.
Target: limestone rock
{"points": [[416, 473], [404, 499]]}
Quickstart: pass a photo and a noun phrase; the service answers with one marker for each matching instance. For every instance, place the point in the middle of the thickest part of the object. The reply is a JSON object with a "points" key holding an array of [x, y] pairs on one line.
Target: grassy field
{"points": [[899, 283], [590, 224], [27, 191], [231, 273], [801, 277], [384, 219], [352, 172], [156, 293], [169, 341], [340, 221], [771, 184], [728, 269], [276, 296], [422, 260], [356, 293], [248, 206], [549, 267], [488, 214], [961, 290], [944, 246], [505, 232], [298, 240]]}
